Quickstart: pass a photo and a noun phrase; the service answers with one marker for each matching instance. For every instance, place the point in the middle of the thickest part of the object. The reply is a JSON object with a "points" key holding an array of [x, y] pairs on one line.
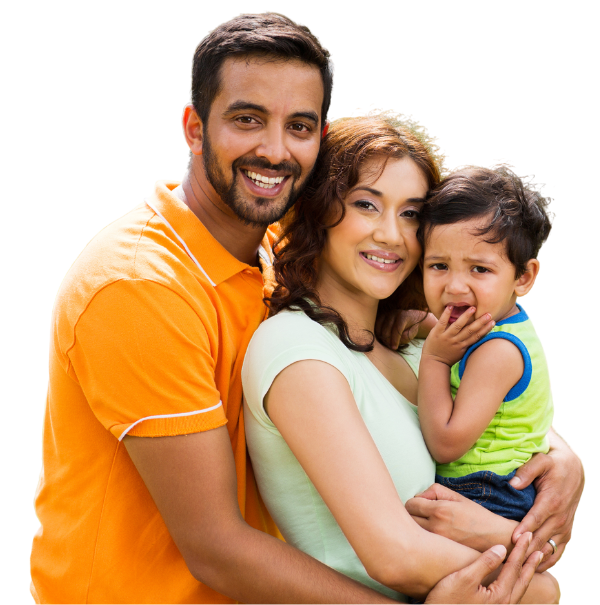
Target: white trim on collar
{"points": [[263, 254], [212, 283]]}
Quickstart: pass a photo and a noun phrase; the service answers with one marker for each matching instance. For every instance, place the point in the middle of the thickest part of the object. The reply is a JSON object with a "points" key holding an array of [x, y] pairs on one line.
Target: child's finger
{"points": [[442, 323], [461, 322], [478, 329]]}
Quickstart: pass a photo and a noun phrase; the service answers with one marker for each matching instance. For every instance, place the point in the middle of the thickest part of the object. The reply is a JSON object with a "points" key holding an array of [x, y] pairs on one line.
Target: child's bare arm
{"points": [[451, 427]]}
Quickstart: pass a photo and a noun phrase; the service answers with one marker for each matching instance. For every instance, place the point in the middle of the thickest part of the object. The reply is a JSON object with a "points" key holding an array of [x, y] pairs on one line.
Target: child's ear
{"points": [[526, 281]]}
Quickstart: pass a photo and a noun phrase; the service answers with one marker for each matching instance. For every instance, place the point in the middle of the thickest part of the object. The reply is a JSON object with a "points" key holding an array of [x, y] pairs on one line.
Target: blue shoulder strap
{"points": [[525, 379]]}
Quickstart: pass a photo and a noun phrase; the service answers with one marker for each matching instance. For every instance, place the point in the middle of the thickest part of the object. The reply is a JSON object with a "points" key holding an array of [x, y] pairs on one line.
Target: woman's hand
{"points": [[446, 513], [396, 328], [466, 585], [558, 478]]}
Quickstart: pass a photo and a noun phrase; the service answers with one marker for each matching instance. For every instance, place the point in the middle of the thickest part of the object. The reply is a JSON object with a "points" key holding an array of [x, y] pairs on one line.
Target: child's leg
{"points": [[494, 492]]}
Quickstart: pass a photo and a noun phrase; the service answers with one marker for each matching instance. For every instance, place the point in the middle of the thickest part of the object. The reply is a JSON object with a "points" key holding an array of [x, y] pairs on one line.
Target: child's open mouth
{"points": [[457, 311]]}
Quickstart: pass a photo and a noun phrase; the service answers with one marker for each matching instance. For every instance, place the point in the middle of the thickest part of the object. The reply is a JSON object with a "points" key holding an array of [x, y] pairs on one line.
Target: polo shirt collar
{"points": [[210, 256]]}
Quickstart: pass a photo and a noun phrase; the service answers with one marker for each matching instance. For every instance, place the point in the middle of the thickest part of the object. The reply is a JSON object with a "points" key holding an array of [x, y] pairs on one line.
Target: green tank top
{"points": [[520, 426]]}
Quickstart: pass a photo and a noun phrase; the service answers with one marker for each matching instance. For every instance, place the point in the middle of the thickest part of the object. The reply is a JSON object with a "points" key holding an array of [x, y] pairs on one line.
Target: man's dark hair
{"points": [[266, 35], [517, 212]]}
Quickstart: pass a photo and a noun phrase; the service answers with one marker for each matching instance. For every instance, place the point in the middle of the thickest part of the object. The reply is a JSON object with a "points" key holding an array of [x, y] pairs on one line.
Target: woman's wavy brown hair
{"points": [[348, 145]]}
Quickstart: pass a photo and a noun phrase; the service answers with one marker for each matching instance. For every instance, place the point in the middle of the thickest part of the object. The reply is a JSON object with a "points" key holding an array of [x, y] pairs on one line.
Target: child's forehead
{"points": [[463, 237]]}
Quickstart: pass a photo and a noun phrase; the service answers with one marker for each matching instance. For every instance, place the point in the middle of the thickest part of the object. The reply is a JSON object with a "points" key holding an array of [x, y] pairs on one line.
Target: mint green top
{"points": [[520, 426], [293, 501]]}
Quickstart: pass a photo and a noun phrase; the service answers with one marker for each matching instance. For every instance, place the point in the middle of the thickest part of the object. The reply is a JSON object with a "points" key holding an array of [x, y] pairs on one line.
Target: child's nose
{"points": [[456, 285]]}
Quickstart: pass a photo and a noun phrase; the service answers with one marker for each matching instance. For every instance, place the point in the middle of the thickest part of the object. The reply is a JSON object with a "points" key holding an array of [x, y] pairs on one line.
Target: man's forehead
{"points": [[276, 83]]}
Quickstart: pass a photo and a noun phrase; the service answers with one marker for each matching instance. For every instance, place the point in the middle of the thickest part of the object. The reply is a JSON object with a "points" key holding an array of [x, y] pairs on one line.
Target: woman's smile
{"points": [[381, 260]]}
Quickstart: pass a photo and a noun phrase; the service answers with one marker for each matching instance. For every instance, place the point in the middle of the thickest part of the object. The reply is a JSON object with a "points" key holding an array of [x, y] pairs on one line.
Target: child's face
{"points": [[462, 270]]}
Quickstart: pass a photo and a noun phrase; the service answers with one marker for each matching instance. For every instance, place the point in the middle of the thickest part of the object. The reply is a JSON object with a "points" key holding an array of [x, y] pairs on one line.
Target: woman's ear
{"points": [[526, 281], [192, 129]]}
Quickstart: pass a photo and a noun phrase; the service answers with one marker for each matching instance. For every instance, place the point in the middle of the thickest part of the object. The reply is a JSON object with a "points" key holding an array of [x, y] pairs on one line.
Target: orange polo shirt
{"points": [[150, 329]]}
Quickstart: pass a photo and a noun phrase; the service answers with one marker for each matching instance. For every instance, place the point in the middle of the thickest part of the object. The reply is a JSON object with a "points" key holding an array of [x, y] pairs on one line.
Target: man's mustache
{"points": [[291, 168]]}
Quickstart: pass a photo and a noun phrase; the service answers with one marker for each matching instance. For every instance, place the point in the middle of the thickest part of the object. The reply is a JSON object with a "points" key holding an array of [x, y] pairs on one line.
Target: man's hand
{"points": [[447, 343], [465, 586], [558, 478]]}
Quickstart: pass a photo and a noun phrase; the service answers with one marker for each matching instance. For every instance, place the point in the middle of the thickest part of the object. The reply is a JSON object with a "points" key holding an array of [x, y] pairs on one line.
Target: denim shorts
{"points": [[493, 492]]}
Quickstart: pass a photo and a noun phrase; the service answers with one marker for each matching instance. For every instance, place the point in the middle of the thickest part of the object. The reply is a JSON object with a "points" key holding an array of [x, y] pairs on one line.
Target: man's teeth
{"points": [[263, 181], [381, 260]]}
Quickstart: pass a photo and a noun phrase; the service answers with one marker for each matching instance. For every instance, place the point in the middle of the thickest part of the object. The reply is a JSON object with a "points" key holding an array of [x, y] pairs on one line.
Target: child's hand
{"points": [[448, 343]]}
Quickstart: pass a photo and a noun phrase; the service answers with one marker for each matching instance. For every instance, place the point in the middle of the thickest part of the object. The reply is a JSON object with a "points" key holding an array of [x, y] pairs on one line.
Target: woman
{"points": [[330, 417]]}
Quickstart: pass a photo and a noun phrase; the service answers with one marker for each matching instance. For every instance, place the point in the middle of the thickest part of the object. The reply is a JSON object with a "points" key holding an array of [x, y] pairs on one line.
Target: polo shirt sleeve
{"points": [[145, 362], [279, 342]]}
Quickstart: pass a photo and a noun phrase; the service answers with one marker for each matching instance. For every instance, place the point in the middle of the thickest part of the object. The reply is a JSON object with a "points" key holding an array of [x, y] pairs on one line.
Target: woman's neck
{"points": [[358, 310]]}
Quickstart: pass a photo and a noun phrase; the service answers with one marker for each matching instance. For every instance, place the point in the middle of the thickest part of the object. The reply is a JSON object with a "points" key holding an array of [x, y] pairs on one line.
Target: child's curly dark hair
{"points": [[517, 212]]}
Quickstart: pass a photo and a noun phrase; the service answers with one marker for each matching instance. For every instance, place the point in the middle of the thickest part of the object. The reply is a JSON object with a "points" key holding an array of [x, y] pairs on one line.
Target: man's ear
{"points": [[192, 129], [526, 281]]}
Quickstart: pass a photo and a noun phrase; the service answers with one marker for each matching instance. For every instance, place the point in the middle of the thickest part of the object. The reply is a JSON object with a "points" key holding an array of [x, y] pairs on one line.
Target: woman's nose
{"points": [[388, 231]]}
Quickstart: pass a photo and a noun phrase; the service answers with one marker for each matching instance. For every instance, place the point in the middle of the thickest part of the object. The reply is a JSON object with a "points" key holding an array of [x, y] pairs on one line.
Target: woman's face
{"points": [[372, 251]]}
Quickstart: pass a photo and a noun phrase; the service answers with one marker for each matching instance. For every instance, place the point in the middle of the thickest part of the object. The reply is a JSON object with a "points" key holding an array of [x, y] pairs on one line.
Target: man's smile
{"points": [[263, 181]]}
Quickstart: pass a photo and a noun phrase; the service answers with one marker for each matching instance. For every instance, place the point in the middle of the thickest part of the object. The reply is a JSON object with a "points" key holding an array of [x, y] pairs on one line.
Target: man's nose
{"points": [[273, 147]]}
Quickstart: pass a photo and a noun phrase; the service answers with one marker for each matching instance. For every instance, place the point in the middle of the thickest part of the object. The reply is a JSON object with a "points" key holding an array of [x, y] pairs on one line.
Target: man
{"points": [[146, 493]]}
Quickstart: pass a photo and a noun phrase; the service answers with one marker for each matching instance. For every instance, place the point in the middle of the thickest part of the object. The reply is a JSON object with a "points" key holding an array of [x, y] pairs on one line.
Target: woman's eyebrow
{"points": [[377, 193]]}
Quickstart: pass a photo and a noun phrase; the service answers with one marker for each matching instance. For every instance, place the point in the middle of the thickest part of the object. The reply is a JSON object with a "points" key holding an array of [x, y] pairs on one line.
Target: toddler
{"points": [[485, 409]]}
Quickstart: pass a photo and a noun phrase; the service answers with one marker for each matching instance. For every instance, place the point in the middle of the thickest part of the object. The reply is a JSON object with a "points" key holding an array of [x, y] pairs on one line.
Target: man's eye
{"points": [[299, 127], [246, 120], [479, 269]]}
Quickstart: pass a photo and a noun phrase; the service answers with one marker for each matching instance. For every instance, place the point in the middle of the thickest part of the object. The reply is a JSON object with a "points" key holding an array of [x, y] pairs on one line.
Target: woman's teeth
{"points": [[263, 181], [381, 260]]}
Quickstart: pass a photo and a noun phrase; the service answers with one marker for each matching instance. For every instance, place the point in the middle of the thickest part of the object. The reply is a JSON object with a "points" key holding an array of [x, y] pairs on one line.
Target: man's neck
{"points": [[240, 240]]}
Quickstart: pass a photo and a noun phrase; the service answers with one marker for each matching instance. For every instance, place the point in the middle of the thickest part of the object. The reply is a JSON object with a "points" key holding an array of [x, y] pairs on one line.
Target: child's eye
{"points": [[439, 267], [479, 269]]}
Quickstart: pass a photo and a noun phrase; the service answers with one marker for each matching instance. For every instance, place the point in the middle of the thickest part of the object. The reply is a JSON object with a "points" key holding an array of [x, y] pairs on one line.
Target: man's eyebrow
{"points": [[307, 115], [245, 106], [248, 106]]}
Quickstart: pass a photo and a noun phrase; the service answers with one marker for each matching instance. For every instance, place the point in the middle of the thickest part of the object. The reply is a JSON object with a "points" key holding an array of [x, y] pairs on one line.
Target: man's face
{"points": [[262, 136]]}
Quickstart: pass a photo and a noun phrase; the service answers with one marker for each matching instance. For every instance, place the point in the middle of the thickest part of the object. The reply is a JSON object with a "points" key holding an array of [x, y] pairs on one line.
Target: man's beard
{"points": [[260, 211]]}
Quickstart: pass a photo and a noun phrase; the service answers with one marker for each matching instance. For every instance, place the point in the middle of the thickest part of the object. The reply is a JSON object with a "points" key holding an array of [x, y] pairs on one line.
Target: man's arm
{"points": [[559, 479], [193, 483]]}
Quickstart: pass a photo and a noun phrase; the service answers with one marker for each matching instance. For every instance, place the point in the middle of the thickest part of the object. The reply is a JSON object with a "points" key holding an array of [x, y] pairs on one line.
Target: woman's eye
{"points": [[364, 205], [410, 214], [480, 270]]}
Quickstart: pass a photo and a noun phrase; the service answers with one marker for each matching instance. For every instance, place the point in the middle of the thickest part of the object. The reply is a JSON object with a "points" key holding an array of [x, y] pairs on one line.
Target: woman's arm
{"points": [[312, 405]]}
